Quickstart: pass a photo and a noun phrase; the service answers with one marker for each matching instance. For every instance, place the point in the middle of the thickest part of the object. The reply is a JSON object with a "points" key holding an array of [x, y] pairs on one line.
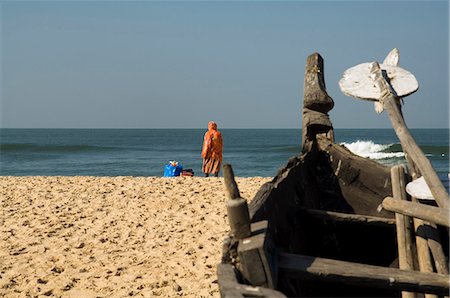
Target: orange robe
{"points": [[212, 149]]}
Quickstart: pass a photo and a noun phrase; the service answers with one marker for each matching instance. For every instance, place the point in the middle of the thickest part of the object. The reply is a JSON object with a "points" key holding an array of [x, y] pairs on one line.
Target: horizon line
{"points": [[180, 128]]}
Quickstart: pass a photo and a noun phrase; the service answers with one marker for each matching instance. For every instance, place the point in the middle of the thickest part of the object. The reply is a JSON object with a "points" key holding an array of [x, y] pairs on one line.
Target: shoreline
{"points": [[91, 236]]}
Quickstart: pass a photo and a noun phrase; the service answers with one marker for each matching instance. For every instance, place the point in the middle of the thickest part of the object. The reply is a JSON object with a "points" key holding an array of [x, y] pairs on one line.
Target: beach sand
{"points": [[113, 236]]}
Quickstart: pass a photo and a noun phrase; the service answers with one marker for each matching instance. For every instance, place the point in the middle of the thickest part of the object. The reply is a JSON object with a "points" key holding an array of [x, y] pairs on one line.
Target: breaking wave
{"points": [[374, 151]]}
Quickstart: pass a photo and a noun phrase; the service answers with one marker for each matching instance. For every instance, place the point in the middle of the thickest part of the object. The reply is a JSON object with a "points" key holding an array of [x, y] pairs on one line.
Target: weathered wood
{"points": [[316, 102], [315, 95], [318, 119], [238, 218], [326, 176], [427, 236], [237, 209], [390, 102], [420, 228], [425, 244], [230, 287], [423, 251], [357, 82], [429, 213], [419, 189], [352, 218], [434, 243], [255, 256], [307, 267], [230, 183], [363, 182], [393, 58], [404, 240]]}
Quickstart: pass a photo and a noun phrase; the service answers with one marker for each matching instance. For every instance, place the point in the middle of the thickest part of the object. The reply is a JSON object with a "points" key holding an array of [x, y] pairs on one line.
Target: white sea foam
{"points": [[371, 150]]}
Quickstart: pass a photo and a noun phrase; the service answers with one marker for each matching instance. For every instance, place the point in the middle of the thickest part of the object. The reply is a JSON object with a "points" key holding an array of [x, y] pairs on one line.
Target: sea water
{"points": [[145, 152]]}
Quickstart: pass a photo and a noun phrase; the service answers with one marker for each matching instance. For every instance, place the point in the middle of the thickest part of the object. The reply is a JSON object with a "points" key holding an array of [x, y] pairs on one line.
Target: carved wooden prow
{"points": [[316, 103]]}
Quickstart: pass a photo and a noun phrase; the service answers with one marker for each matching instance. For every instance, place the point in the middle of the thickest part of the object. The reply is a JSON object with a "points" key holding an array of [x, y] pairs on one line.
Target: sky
{"points": [[155, 64]]}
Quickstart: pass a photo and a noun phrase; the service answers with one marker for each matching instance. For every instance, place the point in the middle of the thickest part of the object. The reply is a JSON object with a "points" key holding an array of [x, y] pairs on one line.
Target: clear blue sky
{"points": [[146, 64]]}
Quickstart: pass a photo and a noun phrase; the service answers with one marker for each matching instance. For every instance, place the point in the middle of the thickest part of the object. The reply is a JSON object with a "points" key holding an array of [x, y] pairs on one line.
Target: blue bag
{"points": [[173, 169]]}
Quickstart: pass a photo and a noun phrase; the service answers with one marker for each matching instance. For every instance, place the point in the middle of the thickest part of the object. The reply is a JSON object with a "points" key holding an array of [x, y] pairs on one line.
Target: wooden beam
{"points": [[434, 242], [316, 268], [350, 218], [391, 104], [423, 251], [427, 232], [429, 213], [404, 240]]}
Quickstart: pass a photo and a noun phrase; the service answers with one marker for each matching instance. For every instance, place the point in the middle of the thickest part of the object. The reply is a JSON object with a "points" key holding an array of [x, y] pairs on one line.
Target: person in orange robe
{"points": [[212, 150]]}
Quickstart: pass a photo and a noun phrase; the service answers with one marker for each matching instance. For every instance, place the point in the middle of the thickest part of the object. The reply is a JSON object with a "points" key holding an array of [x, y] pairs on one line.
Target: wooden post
{"points": [[429, 213], [434, 242], [391, 103], [427, 231], [316, 102], [237, 209], [420, 228], [423, 251], [404, 241]]}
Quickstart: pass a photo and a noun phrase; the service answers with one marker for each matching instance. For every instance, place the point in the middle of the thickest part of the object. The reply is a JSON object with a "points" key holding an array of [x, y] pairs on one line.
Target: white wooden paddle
{"points": [[357, 81], [386, 84]]}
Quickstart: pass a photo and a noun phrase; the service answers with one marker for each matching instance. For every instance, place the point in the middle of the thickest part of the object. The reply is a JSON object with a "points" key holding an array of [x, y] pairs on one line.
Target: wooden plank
{"points": [[255, 257], [315, 268], [350, 218], [429, 213], [230, 288]]}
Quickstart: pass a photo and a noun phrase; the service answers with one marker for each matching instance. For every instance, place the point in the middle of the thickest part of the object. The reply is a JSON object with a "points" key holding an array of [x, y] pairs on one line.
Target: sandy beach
{"points": [[113, 236]]}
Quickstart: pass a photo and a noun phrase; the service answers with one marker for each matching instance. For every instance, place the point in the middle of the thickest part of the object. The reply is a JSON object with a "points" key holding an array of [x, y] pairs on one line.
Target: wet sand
{"points": [[113, 236]]}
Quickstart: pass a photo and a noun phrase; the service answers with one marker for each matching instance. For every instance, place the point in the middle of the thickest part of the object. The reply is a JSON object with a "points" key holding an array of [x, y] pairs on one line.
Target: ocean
{"points": [[145, 152]]}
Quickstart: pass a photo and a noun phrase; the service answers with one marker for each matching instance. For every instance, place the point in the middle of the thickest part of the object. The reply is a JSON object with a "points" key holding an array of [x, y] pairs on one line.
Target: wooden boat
{"points": [[317, 228]]}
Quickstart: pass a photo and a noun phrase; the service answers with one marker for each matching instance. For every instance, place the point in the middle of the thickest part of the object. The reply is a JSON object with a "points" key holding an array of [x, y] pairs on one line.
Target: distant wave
{"points": [[374, 151], [290, 149], [24, 147]]}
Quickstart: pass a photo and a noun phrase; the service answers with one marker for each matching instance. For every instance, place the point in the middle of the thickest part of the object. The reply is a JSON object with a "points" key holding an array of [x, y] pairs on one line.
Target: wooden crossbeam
{"points": [[429, 213], [308, 267]]}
